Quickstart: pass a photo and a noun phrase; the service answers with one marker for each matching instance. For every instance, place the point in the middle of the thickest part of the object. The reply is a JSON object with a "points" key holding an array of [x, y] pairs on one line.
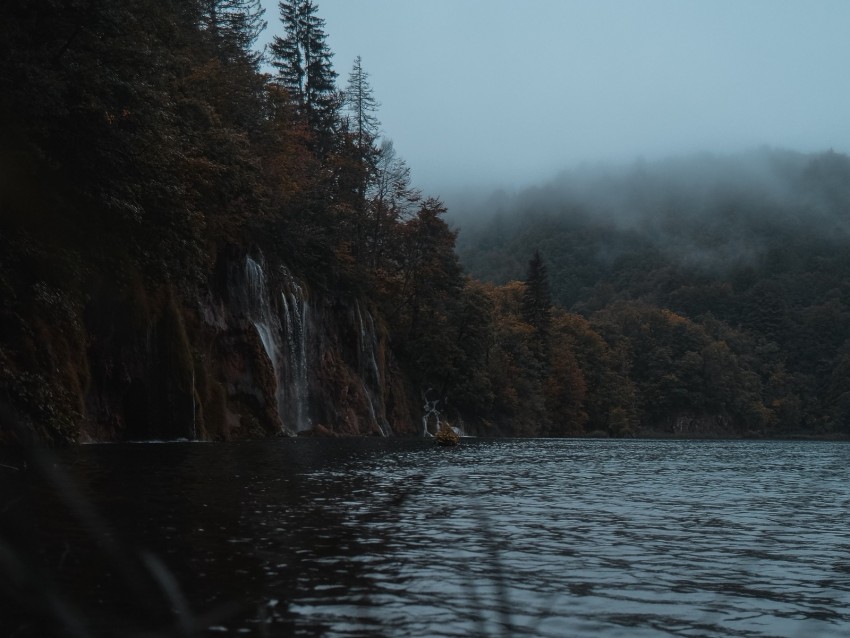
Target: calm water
{"points": [[400, 538]]}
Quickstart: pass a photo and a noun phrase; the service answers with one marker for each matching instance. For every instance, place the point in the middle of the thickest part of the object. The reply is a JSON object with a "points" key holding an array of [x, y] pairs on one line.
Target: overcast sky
{"points": [[506, 93]]}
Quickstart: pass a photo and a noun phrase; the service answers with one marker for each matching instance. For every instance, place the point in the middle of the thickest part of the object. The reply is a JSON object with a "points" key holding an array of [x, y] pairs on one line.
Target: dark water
{"points": [[401, 538]]}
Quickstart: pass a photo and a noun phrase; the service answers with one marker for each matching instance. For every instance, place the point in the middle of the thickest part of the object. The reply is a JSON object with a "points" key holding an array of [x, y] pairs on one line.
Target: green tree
{"points": [[392, 200], [357, 157], [519, 405], [422, 296], [537, 313], [609, 393], [233, 27], [472, 326], [537, 299], [566, 391], [303, 60], [431, 274], [361, 105]]}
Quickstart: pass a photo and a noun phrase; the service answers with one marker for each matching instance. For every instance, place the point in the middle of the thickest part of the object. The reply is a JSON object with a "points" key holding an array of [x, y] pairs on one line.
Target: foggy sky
{"points": [[506, 93]]}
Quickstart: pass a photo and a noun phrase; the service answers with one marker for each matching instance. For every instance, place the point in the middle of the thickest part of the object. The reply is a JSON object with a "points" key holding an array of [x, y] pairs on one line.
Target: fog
{"points": [[482, 94], [787, 187]]}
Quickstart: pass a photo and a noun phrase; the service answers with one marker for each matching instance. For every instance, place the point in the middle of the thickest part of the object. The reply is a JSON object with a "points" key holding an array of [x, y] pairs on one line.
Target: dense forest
{"points": [[202, 240], [701, 295]]}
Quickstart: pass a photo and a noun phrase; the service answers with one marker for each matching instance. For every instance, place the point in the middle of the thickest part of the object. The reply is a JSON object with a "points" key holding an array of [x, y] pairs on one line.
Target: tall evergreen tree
{"points": [[287, 53], [537, 313], [361, 129], [537, 298], [303, 60], [429, 285], [233, 27], [225, 64], [361, 105]]}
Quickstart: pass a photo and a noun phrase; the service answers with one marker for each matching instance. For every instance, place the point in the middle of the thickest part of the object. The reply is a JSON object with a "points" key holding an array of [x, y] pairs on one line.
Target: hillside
{"points": [[191, 247], [749, 252]]}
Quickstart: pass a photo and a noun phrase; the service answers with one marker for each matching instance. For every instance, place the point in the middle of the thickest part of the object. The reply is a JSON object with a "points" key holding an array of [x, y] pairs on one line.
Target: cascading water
{"points": [[459, 428], [265, 321], [282, 329], [367, 343], [283, 326], [296, 311], [430, 410]]}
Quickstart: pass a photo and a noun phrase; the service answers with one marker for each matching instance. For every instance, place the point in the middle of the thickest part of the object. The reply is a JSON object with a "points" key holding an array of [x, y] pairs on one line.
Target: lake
{"points": [[384, 537]]}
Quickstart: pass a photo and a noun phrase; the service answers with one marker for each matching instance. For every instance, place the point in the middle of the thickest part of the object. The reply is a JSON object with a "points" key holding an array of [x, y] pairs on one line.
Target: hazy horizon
{"points": [[486, 94]]}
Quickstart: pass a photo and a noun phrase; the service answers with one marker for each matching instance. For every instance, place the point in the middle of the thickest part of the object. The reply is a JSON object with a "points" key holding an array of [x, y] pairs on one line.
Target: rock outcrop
{"points": [[252, 352]]}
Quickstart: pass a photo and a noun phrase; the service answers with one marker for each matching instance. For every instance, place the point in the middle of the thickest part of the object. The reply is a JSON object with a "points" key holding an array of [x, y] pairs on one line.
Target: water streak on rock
{"points": [[296, 313], [264, 319], [367, 342]]}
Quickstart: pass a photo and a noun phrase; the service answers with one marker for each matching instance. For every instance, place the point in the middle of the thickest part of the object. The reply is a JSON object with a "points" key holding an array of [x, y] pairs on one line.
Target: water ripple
{"points": [[611, 538], [522, 538]]}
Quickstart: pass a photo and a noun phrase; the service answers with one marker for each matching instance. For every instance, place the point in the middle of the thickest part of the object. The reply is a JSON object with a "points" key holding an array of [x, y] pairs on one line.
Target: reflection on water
{"points": [[539, 538]]}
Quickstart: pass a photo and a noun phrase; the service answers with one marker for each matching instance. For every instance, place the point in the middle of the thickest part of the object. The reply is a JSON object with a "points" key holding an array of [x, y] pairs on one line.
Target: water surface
{"points": [[362, 537]]}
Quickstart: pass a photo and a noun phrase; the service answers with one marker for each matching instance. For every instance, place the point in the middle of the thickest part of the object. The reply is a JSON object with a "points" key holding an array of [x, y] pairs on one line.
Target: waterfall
{"points": [[281, 315], [259, 310], [459, 427], [430, 409], [296, 311], [261, 315], [282, 327], [269, 343], [367, 346]]}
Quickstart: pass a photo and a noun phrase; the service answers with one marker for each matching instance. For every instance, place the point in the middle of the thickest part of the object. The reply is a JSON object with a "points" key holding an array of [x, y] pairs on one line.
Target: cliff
{"points": [[249, 352]]}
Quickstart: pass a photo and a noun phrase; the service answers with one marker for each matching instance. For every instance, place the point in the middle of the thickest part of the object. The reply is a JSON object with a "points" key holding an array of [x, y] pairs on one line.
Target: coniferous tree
{"points": [[287, 54], [537, 313], [537, 298], [233, 27], [321, 94], [225, 65], [362, 106], [303, 60], [425, 301], [361, 131]]}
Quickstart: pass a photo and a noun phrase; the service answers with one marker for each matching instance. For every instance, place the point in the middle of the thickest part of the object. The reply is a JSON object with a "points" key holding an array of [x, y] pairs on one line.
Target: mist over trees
{"points": [[719, 285]]}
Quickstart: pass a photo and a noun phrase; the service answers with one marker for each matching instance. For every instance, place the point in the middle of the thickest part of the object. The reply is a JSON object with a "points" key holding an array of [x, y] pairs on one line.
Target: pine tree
{"points": [[429, 285], [233, 27], [287, 54], [361, 130], [537, 299], [226, 64], [362, 106], [303, 61], [321, 95]]}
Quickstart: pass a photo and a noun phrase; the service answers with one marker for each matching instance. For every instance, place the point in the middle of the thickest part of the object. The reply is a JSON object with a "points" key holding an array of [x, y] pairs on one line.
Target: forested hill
{"points": [[193, 247], [723, 282]]}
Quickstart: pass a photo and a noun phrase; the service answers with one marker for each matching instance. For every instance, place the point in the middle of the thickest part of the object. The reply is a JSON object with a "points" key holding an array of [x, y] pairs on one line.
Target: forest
{"points": [[203, 240], [703, 295]]}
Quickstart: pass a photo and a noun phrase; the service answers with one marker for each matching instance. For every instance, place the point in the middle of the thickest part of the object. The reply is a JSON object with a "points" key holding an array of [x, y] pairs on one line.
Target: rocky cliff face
{"points": [[252, 352]]}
